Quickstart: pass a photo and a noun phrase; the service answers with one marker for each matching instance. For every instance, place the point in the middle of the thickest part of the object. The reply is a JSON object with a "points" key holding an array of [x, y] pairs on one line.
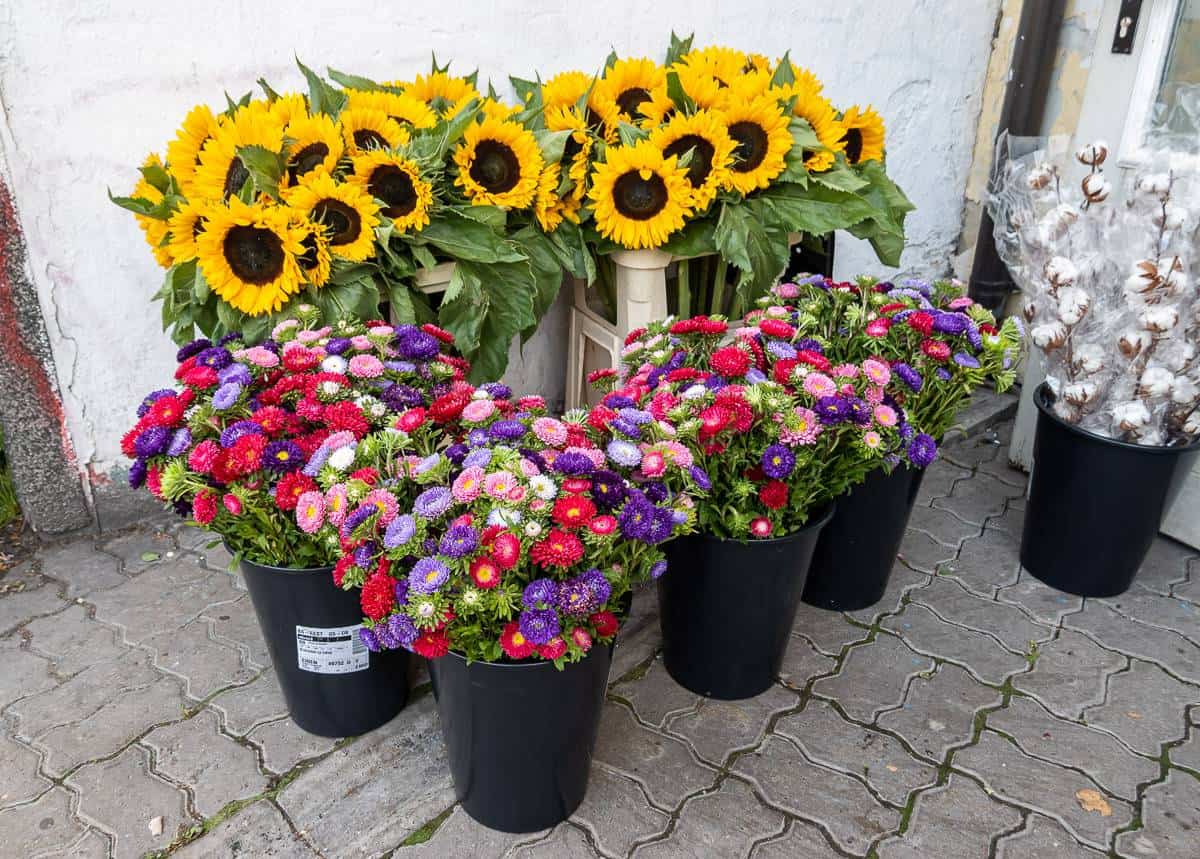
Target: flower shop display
{"points": [[238, 448], [340, 196], [780, 431], [716, 152], [511, 572], [931, 347], [1113, 307]]}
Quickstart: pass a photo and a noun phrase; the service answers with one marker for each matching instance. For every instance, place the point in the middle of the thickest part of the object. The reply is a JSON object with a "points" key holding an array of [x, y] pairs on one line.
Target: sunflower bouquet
{"points": [[524, 543], [339, 196], [775, 426], [716, 151], [939, 345], [240, 445]]}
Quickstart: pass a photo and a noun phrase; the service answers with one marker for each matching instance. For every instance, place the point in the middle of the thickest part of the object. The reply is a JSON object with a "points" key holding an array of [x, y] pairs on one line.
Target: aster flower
{"points": [[909, 376], [540, 593], [859, 411], [399, 531], [922, 450], [965, 360], [599, 584], [194, 348], [832, 410], [282, 456], [310, 511], [559, 549], [152, 441], [478, 458], [573, 462], [181, 440], [459, 541], [636, 518], [700, 478], [214, 357], [415, 344], [778, 461], [235, 373], [433, 502], [657, 569], [137, 473], [428, 575], [507, 430], [539, 625], [624, 453], [234, 431]]}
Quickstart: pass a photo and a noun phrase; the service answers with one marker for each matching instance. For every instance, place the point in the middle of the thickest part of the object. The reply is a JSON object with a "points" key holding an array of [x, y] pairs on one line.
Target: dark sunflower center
{"points": [[572, 148], [395, 187], [255, 255], [631, 99], [308, 158], [702, 156], [197, 227], [308, 260], [495, 167], [235, 177], [342, 222], [751, 142], [365, 138], [637, 198], [854, 144]]}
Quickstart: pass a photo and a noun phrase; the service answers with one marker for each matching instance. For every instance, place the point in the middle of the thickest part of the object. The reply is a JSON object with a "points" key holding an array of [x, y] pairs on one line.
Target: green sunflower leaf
{"points": [[523, 88], [265, 168], [839, 177], [678, 96], [157, 176], [423, 256], [266, 88], [400, 297], [610, 60], [552, 144], [322, 98], [547, 268], [140, 206], [784, 75], [356, 82], [678, 47], [228, 317], [464, 239], [695, 239], [631, 135]]}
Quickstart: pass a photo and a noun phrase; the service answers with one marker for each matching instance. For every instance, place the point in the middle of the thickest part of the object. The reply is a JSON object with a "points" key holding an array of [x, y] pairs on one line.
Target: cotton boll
{"points": [[1131, 343], [1184, 391], [1158, 318], [1060, 271], [1081, 393], [1049, 336], [1095, 187], [1154, 184], [1192, 425], [1175, 282], [1093, 154], [1176, 355], [1039, 177], [1059, 219], [1088, 358], [1029, 309], [1073, 304], [1170, 217], [1131, 416], [1156, 382]]}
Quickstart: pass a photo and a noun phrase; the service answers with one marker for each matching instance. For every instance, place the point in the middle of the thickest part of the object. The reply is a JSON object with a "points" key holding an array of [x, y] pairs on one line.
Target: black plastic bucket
{"points": [[857, 549], [520, 737], [1095, 504], [727, 608], [334, 686]]}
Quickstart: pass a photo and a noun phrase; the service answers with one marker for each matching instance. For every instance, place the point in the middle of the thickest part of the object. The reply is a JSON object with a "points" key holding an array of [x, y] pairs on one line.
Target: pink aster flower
{"points": [[259, 356], [676, 453], [787, 290], [310, 511], [341, 438], [384, 502], [366, 367], [499, 483], [805, 430], [529, 468], [878, 327], [961, 303], [313, 335], [885, 416], [760, 527], [381, 331], [361, 342], [654, 464], [819, 385], [337, 503], [467, 485], [550, 431], [478, 410], [872, 439], [877, 371], [232, 503], [846, 371], [874, 395], [517, 494], [283, 328]]}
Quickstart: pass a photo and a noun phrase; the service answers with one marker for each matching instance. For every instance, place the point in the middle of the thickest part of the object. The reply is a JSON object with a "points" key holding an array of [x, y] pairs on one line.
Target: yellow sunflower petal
{"points": [[221, 173], [864, 133], [762, 141], [396, 182], [316, 144], [403, 108], [364, 129], [248, 254], [347, 212], [819, 112], [705, 136], [183, 153], [626, 85], [638, 197], [185, 226], [445, 94], [499, 164]]}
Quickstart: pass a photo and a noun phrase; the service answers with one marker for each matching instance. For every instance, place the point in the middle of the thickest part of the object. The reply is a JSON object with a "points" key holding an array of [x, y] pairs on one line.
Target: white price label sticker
{"points": [[332, 650]]}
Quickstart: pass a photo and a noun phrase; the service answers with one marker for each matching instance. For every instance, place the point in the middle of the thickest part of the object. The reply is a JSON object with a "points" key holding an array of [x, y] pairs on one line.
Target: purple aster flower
{"points": [[416, 345], [540, 592], [402, 629], [943, 374], [194, 348], [427, 464], [478, 437], [811, 345], [657, 569], [236, 430], [780, 349], [906, 431], [459, 541], [909, 376], [662, 524], [618, 401], [270, 346], [700, 478], [497, 390], [235, 373], [152, 441], [922, 450], [364, 557], [656, 491], [902, 315], [755, 375], [974, 337], [573, 462], [229, 338], [860, 412], [635, 416], [832, 410], [317, 461], [714, 383], [456, 453], [152, 398], [137, 475], [480, 457], [965, 360], [656, 376], [599, 585], [337, 345], [778, 461], [624, 453], [608, 489], [427, 575], [539, 625], [400, 589], [507, 430], [625, 427], [433, 502], [575, 597], [429, 545], [400, 397], [369, 639], [399, 531], [226, 396], [356, 518], [387, 640], [282, 456], [215, 357], [951, 323], [636, 518], [181, 440]]}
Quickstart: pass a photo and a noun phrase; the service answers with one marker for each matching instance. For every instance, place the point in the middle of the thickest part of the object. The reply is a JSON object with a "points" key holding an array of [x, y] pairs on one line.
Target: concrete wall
{"points": [[88, 87]]}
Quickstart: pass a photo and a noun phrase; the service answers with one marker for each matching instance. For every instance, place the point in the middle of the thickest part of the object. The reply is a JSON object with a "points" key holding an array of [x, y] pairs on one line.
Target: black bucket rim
{"points": [[528, 664], [813, 523], [295, 571], [1042, 399]]}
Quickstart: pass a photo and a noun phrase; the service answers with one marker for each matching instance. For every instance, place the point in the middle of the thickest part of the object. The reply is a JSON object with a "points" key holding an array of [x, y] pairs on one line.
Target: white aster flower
{"points": [[341, 459]]}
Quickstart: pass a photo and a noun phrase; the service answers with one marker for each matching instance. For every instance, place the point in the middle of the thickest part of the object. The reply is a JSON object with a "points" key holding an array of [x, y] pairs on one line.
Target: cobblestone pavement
{"points": [[972, 712]]}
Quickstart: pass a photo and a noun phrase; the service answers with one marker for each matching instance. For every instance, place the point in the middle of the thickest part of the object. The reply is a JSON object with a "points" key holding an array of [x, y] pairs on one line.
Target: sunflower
{"points": [[154, 229], [757, 63], [624, 87], [499, 164], [248, 253], [316, 144], [700, 86], [315, 258], [578, 148], [546, 206], [404, 108], [864, 135], [493, 109], [723, 64], [185, 227], [445, 94], [396, 182], [746, 86], [288, 107], [818, 111], [347, 213], [364, 129], [221, 173], [639, 197], [561, 94], [762, 141], [704, 135], [183, 153]]}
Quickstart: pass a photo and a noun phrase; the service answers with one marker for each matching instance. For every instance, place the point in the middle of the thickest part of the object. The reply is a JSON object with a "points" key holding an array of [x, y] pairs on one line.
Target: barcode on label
{"points": [[331, 650]]}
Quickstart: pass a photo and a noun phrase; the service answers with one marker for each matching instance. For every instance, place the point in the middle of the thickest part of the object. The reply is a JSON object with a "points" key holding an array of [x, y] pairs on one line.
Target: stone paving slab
{"points": [[974, 711]]}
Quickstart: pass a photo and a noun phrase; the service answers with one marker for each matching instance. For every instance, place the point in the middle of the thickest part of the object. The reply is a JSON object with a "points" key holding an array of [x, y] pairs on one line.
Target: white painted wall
{"points": [[88, 87]]}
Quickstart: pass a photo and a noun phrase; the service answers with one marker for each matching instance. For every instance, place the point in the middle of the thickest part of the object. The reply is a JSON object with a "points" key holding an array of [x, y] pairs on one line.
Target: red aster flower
{"points": [[154, 481], [773, 494], [783, 370], [761, 527], [368, 476], [127, 447], [410, 419], [682, 374], [603, 525], [300, 359], [730, 361], [577, 436], [345, 562], [514, 644], [221, 470], [573, 511], [310, 410], [756, 350], [485, 573], [893, 307], [713, 327], [988, 328], [921, 321], [290, 487], [685, 326], [166, 412], [272, 419], [713, 419], [878, 327], [582, 638], [814, 359], [378, 596], [596, 375], [346, 416], [462, 367], [606, 624], [575, 485], [714, 448], [446, 408], [204, 507], [743, 416], [599, 417], [777, 328], [531, 403], [201, 377], [633, 335], [935, 349], [246, 454], [440, 333], [553, 649], [488, 535], [313, 383], [432, 645], [506, 550], [187, 396], [559, 549], [662, 403], [755, 473]]}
